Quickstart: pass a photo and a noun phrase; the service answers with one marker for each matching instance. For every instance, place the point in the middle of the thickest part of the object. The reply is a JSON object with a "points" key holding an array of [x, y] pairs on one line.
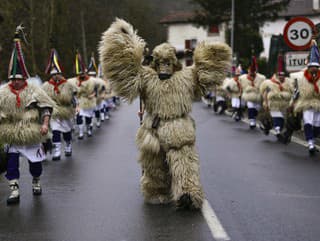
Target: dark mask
{"points": [[164, 76]]}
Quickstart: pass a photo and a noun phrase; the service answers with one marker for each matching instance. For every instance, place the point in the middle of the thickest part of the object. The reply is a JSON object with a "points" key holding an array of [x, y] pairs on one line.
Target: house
{"points": [[305, 8], [183, 34]]}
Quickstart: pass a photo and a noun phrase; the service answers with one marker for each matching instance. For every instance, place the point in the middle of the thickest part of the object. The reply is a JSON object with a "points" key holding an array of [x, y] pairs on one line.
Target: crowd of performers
{"points": [[166, 137], [286, 104], [36, 118]]}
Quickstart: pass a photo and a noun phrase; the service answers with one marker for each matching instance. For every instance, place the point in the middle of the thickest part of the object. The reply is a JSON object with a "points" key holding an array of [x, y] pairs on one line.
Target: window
{"points": [[213, 30], [316, 4]]}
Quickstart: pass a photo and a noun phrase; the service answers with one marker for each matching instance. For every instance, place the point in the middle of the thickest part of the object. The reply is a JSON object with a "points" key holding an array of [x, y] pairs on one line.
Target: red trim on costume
{"points": [[277, 83], [17, 92], [56, 84], [80, 81], [236, 79], [312, 80], [251, 79]]}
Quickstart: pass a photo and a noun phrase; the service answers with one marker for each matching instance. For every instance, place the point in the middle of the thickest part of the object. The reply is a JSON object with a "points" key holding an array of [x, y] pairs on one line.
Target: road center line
{"points": [[218, 232]]}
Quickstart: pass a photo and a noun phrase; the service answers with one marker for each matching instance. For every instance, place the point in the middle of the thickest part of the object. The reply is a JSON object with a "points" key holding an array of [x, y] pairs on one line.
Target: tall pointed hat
{"points": [[280, 65], [92, 68], [253, 65], [238, 70], [314, 56], [53, 66], [80, 67], [17, 67]]}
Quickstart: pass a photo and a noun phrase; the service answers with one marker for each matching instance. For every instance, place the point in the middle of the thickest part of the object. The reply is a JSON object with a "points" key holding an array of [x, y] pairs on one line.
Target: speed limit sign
{"points": [[298, 33]]}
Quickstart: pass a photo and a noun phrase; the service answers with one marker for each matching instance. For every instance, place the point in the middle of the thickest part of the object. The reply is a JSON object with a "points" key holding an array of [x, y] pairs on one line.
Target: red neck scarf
{"points": [[278, 83], [236, 79], [56, 84], [17, 92], [251, 79], [80, 80], [312, 80]]}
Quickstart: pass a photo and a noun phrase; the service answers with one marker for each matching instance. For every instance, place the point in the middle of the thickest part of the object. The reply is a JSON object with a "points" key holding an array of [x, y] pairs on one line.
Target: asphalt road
{"points": [[260, 190]]}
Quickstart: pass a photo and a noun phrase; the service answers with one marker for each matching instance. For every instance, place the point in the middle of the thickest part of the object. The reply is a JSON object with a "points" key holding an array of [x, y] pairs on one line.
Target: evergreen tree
{"points": [[250, 15]]}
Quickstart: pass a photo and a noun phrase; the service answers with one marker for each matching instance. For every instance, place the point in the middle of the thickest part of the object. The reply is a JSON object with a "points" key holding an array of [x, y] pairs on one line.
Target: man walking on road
{"points": [[25, 112]]}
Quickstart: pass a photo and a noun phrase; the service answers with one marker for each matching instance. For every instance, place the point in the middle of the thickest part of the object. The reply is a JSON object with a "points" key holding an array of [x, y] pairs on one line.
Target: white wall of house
{"points": [[178, 33], [275, 28]]}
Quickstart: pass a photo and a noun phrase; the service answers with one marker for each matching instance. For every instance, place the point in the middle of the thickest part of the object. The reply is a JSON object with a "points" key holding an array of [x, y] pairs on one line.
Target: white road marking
{"points": [[217, 230]]}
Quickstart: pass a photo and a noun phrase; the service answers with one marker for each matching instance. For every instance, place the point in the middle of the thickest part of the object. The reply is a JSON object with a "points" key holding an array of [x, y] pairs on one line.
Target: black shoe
{"points": [[313, 150], [252, 127], [68, 153], [237, 117], [13, 200], [284, 138], [56, 158], [215, 108], [80, 137], [185, 202], [90, 131], [14, 197], [36, 187]]}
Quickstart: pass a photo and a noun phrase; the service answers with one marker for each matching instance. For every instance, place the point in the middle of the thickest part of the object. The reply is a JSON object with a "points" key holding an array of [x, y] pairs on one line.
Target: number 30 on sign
{"points": [[298, 33]]}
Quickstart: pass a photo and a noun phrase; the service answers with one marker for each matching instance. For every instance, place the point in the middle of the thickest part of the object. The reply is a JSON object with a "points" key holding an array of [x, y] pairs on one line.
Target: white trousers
{"points": [[311, 117], [254, 105], [276, 114], [34, 153], [87, 112], [61, 125], [220, 98], [235, 102]]}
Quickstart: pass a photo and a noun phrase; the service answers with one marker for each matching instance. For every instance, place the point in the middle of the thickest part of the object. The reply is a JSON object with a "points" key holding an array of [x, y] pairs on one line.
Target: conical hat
{"points": [[53, 66], [314, 55], [253, 66], [92, 68], [17, 67], [238, 70], [80, 67], [280, 65]]}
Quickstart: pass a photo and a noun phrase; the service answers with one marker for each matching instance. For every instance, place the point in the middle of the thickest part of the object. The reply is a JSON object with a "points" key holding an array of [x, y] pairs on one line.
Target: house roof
{"points": [[178, 17], [295, 8], [299, 8]]}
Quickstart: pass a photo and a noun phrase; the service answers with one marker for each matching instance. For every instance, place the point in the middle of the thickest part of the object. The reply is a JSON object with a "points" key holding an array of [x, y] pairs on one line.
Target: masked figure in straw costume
{"points": [[86, 95], [277, 93], [63, 93], [166, 138], [108, 98], [250, 91], [234, 89], [25, 111], [221, 95], [307, 98], [101, 91]]}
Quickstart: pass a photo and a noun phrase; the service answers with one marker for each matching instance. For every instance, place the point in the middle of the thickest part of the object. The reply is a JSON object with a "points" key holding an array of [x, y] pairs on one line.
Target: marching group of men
{"points": [[281, 102], [30, 115]]}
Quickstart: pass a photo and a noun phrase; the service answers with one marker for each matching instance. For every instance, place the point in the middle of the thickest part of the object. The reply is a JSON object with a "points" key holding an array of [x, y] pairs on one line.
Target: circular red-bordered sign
{"points": [[298, 33]]}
